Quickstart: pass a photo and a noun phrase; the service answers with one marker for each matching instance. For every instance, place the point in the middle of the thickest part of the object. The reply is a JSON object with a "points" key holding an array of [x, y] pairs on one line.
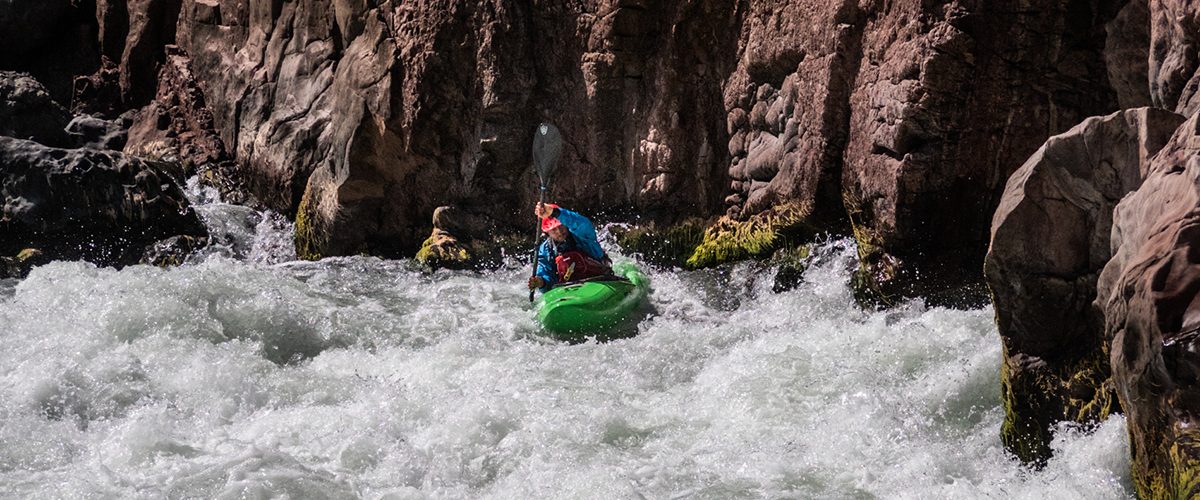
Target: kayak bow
{"points": [[575, 310]]}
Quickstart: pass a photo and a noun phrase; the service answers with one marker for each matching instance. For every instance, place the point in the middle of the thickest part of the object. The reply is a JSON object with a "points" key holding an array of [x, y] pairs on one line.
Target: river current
{"points": [[246, 373]]}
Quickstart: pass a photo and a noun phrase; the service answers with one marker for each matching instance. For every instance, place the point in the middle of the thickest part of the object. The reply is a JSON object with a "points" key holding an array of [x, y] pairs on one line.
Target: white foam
{"points": [[364, 378]]}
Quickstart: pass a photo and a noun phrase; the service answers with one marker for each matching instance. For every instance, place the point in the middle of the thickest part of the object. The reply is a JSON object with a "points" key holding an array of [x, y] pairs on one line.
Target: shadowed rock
{"points": [[99, 206], [28, 112], [1174, 67], [455, 234]]}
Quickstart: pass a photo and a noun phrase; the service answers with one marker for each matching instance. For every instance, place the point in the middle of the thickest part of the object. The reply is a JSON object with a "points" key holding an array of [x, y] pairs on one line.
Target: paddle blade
{"points": [[547, 144]]}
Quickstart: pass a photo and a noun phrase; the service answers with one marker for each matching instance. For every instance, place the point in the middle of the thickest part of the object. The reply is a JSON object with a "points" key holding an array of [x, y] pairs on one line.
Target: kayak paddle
{"points": [[547, 144]]}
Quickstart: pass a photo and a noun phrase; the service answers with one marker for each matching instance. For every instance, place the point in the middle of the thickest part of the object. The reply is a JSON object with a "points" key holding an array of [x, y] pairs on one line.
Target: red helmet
{"points": [[549, 222]]}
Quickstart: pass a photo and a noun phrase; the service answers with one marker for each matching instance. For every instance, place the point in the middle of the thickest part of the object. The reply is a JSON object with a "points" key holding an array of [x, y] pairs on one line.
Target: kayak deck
{"points": [[575, 310]]}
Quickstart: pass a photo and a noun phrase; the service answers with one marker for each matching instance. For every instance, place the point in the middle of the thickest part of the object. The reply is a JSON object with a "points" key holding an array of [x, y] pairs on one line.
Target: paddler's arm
{"points": [[546, 269]]}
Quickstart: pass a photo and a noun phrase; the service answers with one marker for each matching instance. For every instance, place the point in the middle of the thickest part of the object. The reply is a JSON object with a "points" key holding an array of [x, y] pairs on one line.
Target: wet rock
{"points": [[662, 245], [99, 206], [18, 266], [760, 236], [172, 251], [1050, 240], [455, 233], [443, 250]]}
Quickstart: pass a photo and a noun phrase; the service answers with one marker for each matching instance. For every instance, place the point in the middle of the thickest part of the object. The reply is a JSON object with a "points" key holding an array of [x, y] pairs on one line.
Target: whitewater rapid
{"points": [[248, 374]]}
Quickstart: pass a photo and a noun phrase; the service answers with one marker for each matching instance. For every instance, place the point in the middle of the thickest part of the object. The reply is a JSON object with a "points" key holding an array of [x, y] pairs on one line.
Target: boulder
{"points": [[95, 133], [18, 266], [1148, 292], [460, 239], [1050, 241], [99, 206], [28, 112]]}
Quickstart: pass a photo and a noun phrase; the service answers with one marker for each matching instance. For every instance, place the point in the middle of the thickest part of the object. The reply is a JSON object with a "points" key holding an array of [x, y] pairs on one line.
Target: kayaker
{"points": [[571, 253]]}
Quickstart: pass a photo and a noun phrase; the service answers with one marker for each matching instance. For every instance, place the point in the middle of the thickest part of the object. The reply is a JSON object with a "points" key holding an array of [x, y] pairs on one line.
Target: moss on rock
{"points": [[440, 250], [662, 246], [1038, 394], [759, 237], [1183, 480], [309, 239]]}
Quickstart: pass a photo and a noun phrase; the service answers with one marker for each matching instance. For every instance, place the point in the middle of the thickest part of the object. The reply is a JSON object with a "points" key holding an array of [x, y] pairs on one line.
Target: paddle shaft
{"points": [[537, 240]]}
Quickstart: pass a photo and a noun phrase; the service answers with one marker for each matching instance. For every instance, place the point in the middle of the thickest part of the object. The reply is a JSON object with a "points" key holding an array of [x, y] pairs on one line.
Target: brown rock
{"points": [[950, 100], [177, 123], [1174, 41], [1050, 240], [151, 28], [395, 110], [1150, 308], [1127, 54], [793, 138]]}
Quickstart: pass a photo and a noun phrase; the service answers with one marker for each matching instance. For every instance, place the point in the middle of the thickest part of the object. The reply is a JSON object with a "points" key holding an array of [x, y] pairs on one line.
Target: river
{"points": [[248, 374]]}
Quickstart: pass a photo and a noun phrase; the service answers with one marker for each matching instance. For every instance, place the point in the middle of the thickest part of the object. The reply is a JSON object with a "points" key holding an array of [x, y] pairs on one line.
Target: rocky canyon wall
{"points": [[897, 120]]}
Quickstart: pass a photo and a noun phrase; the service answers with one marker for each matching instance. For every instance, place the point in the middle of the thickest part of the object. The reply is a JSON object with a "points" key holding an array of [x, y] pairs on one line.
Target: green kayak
{"points": [[579, 309]]}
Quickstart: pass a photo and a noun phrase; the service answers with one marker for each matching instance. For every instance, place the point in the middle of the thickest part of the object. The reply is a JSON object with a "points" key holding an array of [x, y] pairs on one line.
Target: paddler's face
{"points": [[559, 233]]}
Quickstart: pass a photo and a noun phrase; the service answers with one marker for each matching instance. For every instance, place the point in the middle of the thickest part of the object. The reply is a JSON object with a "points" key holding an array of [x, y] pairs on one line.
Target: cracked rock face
{"points": [[368, 123], [1174, 67], [907, 117]]}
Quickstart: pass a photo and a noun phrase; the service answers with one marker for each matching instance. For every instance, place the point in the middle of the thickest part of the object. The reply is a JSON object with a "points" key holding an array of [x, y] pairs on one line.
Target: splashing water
{"points": [[247, 374]]}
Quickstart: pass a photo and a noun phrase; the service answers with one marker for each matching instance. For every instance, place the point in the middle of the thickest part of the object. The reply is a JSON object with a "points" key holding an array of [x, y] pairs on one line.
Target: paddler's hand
{"points": [[536, 282], [543, 211]]}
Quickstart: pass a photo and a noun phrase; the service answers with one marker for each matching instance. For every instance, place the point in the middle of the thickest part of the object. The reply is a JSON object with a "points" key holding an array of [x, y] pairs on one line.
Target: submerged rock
{"points": [[101, 206], [18, 266]]}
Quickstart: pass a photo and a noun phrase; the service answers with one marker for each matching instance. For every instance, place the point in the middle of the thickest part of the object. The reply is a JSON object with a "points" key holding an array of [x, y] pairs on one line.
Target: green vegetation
{"points": [[666, 246], [444, 251], [759, 237], [1181, 478], [309, 240], [1038, 397]]}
